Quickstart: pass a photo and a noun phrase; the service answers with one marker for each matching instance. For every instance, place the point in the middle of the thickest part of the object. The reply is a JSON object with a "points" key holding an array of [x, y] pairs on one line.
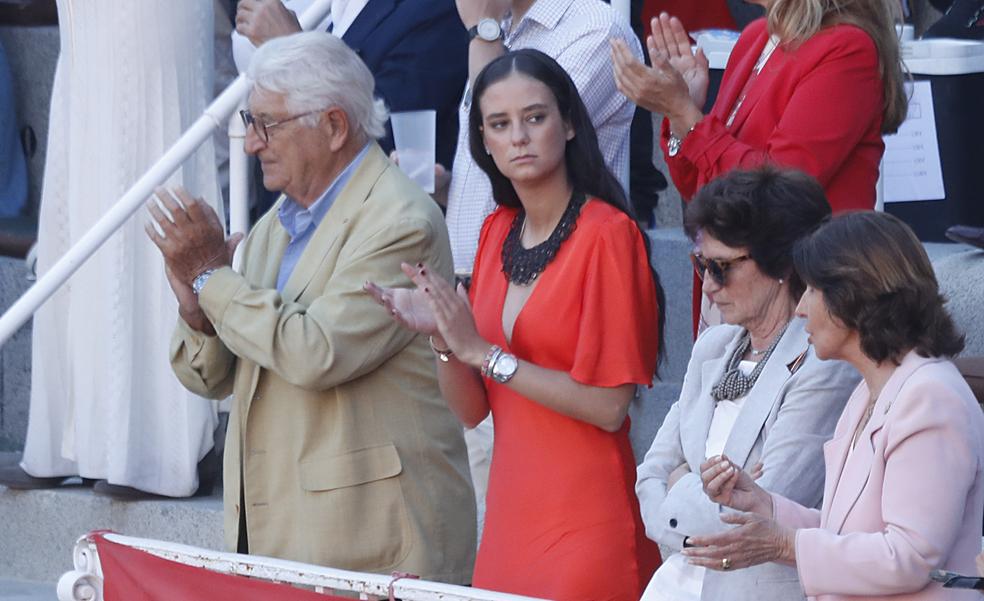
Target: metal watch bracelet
{"points": [[199, 282]]}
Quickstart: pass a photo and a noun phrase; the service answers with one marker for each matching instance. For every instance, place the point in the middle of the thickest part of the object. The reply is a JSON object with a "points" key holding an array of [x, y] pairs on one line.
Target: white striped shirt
{"points": [[575, 33]]}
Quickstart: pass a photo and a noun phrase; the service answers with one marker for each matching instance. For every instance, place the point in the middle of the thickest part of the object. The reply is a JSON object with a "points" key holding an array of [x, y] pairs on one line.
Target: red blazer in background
{"points": [[817, 107], [705, 14]]}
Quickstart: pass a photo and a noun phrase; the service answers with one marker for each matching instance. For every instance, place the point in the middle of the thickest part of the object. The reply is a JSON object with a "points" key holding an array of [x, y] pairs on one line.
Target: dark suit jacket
{"points": [[418, 52]]}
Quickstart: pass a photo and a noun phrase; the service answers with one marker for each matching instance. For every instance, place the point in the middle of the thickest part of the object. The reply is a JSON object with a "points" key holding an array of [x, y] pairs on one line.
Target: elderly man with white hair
{"points": [[340, 451]]}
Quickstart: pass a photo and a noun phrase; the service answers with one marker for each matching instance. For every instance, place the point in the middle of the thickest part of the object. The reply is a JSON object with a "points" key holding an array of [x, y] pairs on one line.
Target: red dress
{"points": [[562, 520]]}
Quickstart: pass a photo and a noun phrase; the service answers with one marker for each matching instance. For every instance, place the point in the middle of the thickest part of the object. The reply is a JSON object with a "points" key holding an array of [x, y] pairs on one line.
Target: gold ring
{"points": [[725, 564]]}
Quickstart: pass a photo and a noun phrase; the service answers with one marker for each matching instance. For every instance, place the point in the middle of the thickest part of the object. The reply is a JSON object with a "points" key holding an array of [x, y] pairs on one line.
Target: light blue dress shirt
{"points": [[301, 223]]}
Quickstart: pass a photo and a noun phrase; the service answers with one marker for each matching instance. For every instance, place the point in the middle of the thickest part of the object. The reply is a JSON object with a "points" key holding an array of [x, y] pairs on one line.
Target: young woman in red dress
{"points": [[562, 323]]}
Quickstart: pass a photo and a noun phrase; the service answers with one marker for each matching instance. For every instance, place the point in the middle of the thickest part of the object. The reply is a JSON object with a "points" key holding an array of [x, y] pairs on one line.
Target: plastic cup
{"points": [[414, 133]]}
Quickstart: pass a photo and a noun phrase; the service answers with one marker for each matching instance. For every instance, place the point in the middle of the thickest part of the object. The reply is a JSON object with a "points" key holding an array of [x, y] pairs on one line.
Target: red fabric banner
{"points": [[133, 575]]}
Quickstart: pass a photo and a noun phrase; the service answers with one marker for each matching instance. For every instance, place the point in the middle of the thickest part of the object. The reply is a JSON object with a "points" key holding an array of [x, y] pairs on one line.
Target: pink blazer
{"points": [[908, 499]]}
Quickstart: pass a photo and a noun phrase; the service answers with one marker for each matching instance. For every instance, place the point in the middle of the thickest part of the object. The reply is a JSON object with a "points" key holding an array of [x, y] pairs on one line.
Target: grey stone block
{"points": [[647, 413], [15, 361], [39, 528], [22, 590], [961, 278], [671, 258], [33, 53]]}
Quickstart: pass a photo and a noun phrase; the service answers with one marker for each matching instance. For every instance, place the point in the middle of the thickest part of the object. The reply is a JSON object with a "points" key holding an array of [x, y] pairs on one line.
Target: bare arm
{"points": [[462, 386], [480, 52], [434, 308]]}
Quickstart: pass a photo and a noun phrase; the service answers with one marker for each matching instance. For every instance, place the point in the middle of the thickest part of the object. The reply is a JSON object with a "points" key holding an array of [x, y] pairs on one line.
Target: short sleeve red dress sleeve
{"points": [[562, 520]]}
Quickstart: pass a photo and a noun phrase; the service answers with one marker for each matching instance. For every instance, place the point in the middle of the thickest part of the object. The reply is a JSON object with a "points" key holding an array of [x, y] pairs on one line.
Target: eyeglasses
{"points": [[718, 268], [262, 128]]}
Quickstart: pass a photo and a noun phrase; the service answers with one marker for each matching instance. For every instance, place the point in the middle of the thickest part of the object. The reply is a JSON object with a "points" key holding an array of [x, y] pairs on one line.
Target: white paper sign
{"points": [[911, 166]]}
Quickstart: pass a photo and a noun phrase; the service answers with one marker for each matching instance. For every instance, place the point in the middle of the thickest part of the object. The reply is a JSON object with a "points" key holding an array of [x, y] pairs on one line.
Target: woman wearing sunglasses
{"points": [[905, 484], [754, 390]]}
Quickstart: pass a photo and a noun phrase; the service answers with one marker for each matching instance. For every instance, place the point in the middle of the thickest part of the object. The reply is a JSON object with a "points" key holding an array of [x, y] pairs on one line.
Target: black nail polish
{"points": [[420, 265]]}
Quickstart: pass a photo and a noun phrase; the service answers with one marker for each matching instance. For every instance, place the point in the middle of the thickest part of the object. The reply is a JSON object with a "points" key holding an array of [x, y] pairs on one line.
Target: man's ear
{"points": [[335, 124]]}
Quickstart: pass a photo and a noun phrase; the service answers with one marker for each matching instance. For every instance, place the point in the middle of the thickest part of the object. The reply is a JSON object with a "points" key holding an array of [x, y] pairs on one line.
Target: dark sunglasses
{"points": [[717, 268]]}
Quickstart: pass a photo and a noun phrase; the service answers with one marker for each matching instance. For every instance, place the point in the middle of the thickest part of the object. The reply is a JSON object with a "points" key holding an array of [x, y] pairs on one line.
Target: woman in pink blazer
{"points": [[904, 491]]}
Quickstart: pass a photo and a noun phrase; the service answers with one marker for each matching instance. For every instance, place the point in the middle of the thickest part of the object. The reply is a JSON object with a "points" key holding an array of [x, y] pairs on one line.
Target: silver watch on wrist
{"points": [[504, 367], [674, 143], [199, 282], [487, 29]]}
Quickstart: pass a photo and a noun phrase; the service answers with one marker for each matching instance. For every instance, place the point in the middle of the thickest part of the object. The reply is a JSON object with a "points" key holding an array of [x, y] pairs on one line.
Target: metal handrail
{"points": [[213, 117], [238, 182]]}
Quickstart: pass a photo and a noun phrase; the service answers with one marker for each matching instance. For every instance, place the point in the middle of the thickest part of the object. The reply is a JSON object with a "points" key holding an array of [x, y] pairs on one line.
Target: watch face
{"points": [[673, 146], [506, 366], [489, 30]]}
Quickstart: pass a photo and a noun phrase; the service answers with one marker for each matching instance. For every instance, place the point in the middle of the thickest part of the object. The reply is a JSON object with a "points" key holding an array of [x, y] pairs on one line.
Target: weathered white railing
{"points": [[238, 180], [214, 116], [85, 582]]}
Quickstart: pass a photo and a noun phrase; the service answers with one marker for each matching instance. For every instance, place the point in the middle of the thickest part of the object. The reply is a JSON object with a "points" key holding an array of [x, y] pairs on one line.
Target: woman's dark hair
{"points": [[766, 210], [876, 279], [585, 164]]}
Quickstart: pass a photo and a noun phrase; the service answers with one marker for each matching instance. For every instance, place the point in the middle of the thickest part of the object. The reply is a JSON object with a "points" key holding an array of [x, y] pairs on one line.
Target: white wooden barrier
{"points": [[85, 582]]}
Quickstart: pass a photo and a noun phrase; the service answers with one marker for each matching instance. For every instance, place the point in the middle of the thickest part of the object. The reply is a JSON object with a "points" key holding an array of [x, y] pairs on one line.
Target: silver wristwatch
{"points": [[674, 143], [487, 29], [504, 367], [199, 282]]}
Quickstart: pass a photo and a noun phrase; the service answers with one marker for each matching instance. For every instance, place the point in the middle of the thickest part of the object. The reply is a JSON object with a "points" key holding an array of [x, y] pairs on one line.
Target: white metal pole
{"points": [[238, 181], [216, 114]]}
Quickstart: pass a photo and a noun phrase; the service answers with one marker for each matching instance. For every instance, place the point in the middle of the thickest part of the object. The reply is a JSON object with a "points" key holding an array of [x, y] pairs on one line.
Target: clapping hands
{"points": [[669, 42], [436, 309], [678, 76], [676, 83], [192, 239]]}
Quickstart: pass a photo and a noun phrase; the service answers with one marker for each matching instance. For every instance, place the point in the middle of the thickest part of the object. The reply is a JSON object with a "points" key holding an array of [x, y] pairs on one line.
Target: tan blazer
{"points": [[907, 500], [349, 457]]}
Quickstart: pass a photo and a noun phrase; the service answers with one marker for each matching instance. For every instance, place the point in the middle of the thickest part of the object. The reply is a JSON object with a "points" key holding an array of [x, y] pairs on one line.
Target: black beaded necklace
{"points": [[523, 265]]}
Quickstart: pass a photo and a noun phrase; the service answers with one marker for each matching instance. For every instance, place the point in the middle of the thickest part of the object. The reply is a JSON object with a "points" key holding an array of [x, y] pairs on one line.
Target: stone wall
{"points": [[15, 361]]}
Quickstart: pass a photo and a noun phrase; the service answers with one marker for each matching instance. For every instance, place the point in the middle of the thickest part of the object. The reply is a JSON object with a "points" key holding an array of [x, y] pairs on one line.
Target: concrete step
{"points": [[39, 528], [24, 590]]}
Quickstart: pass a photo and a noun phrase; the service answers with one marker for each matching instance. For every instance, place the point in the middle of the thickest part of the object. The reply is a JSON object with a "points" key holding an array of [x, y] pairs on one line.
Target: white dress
{"points": [[131, 77]]}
